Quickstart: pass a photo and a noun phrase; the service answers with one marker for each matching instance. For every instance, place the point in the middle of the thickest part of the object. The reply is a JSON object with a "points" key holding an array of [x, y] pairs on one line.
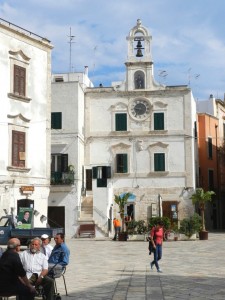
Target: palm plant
{"points": [[201, 197], [121, 200]]}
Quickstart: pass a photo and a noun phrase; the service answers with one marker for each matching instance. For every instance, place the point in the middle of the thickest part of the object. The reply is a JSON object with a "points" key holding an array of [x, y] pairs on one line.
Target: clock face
{"points": [[140, 109]]}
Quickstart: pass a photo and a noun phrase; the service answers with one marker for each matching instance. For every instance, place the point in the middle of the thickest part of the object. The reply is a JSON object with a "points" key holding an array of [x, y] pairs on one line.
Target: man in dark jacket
{"points": [[13, 279]]}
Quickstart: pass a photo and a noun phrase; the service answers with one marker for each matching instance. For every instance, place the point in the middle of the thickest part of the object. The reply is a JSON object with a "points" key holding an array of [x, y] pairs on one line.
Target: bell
{"points": [[139, 45], [138, 48], [139, 53]]}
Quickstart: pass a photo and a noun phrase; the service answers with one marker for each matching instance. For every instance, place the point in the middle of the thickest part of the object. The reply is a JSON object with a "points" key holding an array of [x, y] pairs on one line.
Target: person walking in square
{"points": [[156, 237]]}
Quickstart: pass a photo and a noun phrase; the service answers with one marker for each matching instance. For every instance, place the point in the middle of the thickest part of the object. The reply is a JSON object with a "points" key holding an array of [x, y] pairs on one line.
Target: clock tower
{"points": [[139, 64]]}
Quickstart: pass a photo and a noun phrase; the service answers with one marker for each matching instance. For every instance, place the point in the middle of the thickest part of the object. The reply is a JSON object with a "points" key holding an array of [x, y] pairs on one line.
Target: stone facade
{"points": [[25, 120]]}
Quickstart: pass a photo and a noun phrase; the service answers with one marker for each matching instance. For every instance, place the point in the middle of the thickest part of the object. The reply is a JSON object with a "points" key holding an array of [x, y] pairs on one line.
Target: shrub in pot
{"points": [[191, 225], [200, 197]]}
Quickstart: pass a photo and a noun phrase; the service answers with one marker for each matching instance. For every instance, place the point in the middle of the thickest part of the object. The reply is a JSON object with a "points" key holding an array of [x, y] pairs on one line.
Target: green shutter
{"points": [[94, 172], [56, 120], [121, 163], [158, 121], [121, 122], [159, 162]]}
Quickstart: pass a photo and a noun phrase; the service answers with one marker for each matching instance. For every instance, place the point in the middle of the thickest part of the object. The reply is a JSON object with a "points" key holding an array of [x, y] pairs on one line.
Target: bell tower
{"points": [[139, 64]]}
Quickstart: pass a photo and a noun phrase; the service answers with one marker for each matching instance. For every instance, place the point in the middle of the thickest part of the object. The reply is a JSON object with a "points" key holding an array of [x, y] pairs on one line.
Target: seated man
{"points": [[59, 257], [36, 266], [13, 277]]}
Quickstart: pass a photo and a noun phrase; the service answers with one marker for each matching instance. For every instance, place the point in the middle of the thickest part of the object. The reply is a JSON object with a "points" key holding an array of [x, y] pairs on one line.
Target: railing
{"points": [[62, 178], [100, 218]]}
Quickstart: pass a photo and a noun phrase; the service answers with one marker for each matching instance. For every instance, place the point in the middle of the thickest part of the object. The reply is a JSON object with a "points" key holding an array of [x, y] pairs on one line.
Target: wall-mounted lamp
{"points": [[43, 218], [6, 211], [36, 213]]}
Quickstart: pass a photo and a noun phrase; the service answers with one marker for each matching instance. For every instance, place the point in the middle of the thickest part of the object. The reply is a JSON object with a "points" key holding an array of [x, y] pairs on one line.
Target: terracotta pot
{"points": [[176, 238], [203, 235]]}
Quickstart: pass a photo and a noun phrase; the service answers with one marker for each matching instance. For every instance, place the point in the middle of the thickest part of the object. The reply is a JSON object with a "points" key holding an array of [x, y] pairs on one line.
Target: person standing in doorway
{"points": [[156, 237], [117, 227]]}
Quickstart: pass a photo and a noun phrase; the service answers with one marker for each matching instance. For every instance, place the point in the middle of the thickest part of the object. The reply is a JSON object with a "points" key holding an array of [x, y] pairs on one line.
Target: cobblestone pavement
{"points": [[104, 270], [109, 270]]}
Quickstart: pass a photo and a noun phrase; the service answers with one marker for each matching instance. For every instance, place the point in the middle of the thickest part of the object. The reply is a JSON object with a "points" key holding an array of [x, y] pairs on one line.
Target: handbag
{"points": [[150, 244]]}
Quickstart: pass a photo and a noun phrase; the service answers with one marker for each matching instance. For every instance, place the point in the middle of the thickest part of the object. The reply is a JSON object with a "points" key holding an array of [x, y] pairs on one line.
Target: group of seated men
{"points": [[22, 271]]}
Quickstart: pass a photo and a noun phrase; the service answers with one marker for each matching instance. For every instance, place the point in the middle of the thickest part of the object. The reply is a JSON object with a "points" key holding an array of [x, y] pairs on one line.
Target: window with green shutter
{"points": [[158, 121], [121, 163], [121, 122], [159, 162], [56, 120]]}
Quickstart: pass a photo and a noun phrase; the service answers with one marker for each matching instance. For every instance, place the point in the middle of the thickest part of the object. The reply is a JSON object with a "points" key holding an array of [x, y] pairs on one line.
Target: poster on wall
{"points": [[25, 218]]}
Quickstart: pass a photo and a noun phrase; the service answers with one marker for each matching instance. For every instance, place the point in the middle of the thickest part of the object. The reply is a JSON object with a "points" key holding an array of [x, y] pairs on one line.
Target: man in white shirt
{"points": [[46, 247], [35, 264]]}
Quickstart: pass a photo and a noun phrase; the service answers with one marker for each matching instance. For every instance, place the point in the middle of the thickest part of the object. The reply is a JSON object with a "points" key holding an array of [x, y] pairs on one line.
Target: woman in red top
{"points": [[156, 236]]}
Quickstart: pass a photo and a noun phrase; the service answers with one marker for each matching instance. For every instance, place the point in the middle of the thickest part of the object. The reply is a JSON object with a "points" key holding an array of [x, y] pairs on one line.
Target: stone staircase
{"points": [[86, 215]]}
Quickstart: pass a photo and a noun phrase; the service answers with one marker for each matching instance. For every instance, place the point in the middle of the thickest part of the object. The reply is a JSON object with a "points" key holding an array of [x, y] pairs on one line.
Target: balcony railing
{"points": [[62, 178]]}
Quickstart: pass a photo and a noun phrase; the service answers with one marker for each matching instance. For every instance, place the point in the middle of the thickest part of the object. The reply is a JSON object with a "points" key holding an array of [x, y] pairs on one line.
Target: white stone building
{"points": [[67, 150], [25, 121], [139, 138]]}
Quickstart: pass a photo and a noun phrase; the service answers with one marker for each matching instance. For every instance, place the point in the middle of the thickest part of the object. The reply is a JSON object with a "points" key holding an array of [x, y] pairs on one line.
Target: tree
{"points": [[121, 201], [201, 197]]}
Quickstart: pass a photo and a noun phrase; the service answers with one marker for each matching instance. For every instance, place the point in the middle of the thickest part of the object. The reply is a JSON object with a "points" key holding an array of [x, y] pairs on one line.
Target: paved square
{"points": [[106, 269]]}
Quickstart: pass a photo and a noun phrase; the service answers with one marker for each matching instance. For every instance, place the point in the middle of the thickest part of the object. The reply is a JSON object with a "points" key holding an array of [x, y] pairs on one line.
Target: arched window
{"points": [[139, 80]]}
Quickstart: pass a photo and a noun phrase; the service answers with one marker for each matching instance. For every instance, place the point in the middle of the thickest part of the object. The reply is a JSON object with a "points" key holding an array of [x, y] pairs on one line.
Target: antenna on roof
{"points": [[71, 37]]}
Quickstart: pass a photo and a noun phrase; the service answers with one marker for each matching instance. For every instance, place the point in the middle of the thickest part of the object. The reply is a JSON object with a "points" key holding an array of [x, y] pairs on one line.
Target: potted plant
{"points": [[201, 197], [190, 226], [121, 200]]}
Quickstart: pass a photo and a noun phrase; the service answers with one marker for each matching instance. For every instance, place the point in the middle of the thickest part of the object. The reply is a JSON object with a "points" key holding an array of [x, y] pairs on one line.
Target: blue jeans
{"points": [[157, 256]]}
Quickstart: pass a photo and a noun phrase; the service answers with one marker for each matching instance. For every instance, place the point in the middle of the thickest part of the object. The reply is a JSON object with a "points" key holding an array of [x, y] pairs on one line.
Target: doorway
{"points": [[56, 216]]}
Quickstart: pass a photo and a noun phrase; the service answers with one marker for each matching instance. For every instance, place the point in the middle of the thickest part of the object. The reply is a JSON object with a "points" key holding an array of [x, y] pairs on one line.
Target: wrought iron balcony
{"points": [[62, 178]]}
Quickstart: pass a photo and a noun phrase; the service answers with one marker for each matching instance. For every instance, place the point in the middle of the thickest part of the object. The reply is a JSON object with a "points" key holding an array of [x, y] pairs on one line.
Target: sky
{"points": [[188, 38]]}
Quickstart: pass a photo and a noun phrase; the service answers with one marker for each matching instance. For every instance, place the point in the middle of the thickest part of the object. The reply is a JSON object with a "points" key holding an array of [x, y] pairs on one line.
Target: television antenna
{"points": [[71, 37]]}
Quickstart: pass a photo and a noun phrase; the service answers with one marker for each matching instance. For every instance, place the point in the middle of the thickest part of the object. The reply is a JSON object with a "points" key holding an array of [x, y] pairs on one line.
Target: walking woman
{"points": [[156, 236]]}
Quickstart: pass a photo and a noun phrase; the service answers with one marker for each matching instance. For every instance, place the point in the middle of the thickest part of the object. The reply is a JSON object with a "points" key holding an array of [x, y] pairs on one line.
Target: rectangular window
{"points": [[158, 121], [121, 122], [56, 120], [159, 162], [59, 163], [211, 180], [121, 163], [210, 148], [18, 149], [19, 83]]}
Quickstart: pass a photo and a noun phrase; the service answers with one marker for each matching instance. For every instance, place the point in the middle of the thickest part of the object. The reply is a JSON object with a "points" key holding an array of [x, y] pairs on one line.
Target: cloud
{"points": [[186, 35]]}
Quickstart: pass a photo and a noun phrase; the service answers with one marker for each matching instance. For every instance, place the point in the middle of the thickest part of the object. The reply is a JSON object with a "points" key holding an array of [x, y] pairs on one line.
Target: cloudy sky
{"points": [[188, 37]]}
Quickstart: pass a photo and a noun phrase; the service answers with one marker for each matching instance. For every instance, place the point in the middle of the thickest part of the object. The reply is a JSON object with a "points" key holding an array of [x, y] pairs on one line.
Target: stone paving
{"points": [[109, 270]]}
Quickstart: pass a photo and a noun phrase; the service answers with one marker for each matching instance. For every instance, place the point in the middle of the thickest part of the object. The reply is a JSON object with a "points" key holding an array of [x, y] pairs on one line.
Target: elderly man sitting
{"points": [[36, 266], [13, 279]]}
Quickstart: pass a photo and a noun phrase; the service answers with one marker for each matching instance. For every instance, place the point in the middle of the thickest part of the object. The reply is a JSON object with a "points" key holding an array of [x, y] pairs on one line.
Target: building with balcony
{"points": [[67, 148]]}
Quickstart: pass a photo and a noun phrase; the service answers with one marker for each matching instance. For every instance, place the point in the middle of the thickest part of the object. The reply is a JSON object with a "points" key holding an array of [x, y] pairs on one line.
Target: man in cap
{"points": [[46, 247]]}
